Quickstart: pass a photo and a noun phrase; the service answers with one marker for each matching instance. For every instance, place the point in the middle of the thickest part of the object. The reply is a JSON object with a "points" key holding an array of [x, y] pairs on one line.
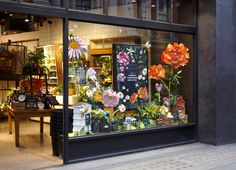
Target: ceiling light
{"points": [[153, 6], [10, 14], [133, 1], [26, 20]]}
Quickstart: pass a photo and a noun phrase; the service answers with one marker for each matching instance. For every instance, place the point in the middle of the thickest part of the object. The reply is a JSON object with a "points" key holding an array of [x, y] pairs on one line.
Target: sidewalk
{"points": [[195, 156]]}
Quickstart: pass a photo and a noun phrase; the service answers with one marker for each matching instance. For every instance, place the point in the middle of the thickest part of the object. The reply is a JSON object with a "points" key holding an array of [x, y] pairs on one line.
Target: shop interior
{"points": [[109, 85]]}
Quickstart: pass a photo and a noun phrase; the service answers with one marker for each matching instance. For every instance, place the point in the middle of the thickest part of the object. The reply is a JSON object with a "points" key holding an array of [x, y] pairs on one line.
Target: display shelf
{"points": [[50, 62]]}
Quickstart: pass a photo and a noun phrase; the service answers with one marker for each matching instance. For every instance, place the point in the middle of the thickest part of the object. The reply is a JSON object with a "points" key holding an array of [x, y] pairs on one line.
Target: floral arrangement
{"points": [[166, 108], [168, 76]]}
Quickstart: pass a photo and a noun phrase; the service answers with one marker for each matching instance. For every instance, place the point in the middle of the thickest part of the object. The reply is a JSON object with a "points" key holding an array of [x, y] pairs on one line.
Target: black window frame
{"points": [[67, 15]]}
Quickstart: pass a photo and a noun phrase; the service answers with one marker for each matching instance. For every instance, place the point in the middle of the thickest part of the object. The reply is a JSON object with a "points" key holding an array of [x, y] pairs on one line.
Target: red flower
{"points": [[175, 55], [156, 72], [180, 99]]}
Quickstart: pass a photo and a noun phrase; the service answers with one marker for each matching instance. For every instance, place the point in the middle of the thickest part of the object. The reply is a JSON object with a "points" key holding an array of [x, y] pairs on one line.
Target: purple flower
{"points": [[121, 77], [158, 87], [123, 58], [166, 101], [122, 68]]}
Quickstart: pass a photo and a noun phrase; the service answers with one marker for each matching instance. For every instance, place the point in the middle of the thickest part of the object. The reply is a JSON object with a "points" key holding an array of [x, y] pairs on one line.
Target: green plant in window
{"points": [[34, 64]]}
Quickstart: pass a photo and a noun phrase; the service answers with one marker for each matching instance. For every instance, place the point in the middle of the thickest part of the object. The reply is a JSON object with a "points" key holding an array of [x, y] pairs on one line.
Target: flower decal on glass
{"points": [[143, 93], [123, 58], [76, 49], [175, 55], [133, 98], [121, 77]]}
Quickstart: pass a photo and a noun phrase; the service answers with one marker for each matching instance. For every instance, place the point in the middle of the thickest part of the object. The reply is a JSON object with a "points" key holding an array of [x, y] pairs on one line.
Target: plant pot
{"points": [[71, 92], [95, 127]]}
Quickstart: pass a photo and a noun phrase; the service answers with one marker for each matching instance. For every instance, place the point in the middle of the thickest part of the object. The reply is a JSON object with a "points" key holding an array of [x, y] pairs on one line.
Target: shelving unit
{"points": [[50, 63]]}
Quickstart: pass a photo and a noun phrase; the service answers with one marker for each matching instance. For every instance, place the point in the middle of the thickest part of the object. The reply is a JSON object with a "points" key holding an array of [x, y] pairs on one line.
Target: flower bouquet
{"points": [[168, 75]]}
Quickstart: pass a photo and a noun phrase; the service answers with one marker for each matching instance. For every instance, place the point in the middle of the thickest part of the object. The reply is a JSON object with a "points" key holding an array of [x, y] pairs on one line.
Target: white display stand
{"points": [[82, 119]]}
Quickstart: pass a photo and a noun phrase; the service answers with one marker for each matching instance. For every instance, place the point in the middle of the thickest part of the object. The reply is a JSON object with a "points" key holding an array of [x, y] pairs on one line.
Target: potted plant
{"points": [[71, 90]]}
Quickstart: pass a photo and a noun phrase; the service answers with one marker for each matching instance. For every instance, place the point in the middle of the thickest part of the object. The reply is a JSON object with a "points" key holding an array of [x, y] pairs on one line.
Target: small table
{"points": [[19, 114]]}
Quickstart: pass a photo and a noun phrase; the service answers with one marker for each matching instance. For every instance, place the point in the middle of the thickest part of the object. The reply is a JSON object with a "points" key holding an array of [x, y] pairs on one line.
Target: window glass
{"points": [[183, 12], [125, 79], [156, 10], [93, 6], [123, 8], [57, 3]]}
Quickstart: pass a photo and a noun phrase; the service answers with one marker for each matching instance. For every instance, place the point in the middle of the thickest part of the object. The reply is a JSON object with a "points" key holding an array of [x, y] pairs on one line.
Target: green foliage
{"points": [[150, 110], [59, 88], [34, 64]]}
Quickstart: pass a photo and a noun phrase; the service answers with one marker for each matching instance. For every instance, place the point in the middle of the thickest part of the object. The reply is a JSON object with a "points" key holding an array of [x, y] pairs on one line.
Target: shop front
{"points": [[124, 73]]}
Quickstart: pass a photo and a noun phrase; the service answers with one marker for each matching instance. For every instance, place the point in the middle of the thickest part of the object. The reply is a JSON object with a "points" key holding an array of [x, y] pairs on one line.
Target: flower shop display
{"points": [[129, 106]]}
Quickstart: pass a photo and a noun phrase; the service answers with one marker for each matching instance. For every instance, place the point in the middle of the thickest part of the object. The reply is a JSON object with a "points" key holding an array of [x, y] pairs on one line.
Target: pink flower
{"points": [[110, 98], [123, 58], [122, 108]]}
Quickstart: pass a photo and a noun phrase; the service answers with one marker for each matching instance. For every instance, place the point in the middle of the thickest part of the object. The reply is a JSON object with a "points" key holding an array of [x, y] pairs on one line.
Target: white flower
{"points": [[147, 45], [133, 61], [127, 97], [144, 71], [97, 85], [143, 78], [124, 100], [164, 110], [122, 108], [136, 85], [141, 52], [121, 95], [89, 93], [140, 77], [127, 89], [130, 50], [169, 115], [123, 87], [94, 89]]}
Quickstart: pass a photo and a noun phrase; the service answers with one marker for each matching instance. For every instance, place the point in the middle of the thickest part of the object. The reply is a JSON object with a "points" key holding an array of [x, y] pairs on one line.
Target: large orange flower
{"points": [[143, 93], [175, 55], [156, 72]]}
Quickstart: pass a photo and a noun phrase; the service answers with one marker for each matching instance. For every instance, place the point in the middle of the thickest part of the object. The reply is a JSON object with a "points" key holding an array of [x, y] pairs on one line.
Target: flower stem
{"points": [[171, 73], [167, 88]]}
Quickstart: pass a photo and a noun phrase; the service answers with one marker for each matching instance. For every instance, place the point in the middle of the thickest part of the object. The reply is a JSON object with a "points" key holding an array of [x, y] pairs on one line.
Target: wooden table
{"points": [[19, 114]]}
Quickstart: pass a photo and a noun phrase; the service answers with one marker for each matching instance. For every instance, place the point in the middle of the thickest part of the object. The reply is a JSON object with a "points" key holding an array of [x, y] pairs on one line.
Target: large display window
{"points": [[125, 79]]}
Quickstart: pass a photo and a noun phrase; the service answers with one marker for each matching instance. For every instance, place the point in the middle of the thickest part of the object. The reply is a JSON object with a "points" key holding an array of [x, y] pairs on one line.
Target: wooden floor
{"points": [[35, 151]]}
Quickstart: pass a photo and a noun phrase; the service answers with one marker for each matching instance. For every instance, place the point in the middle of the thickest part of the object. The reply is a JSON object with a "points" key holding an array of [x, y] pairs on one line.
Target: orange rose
{"points": [[175, 55], [156, 72], [133, 98], [143, 93]]}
